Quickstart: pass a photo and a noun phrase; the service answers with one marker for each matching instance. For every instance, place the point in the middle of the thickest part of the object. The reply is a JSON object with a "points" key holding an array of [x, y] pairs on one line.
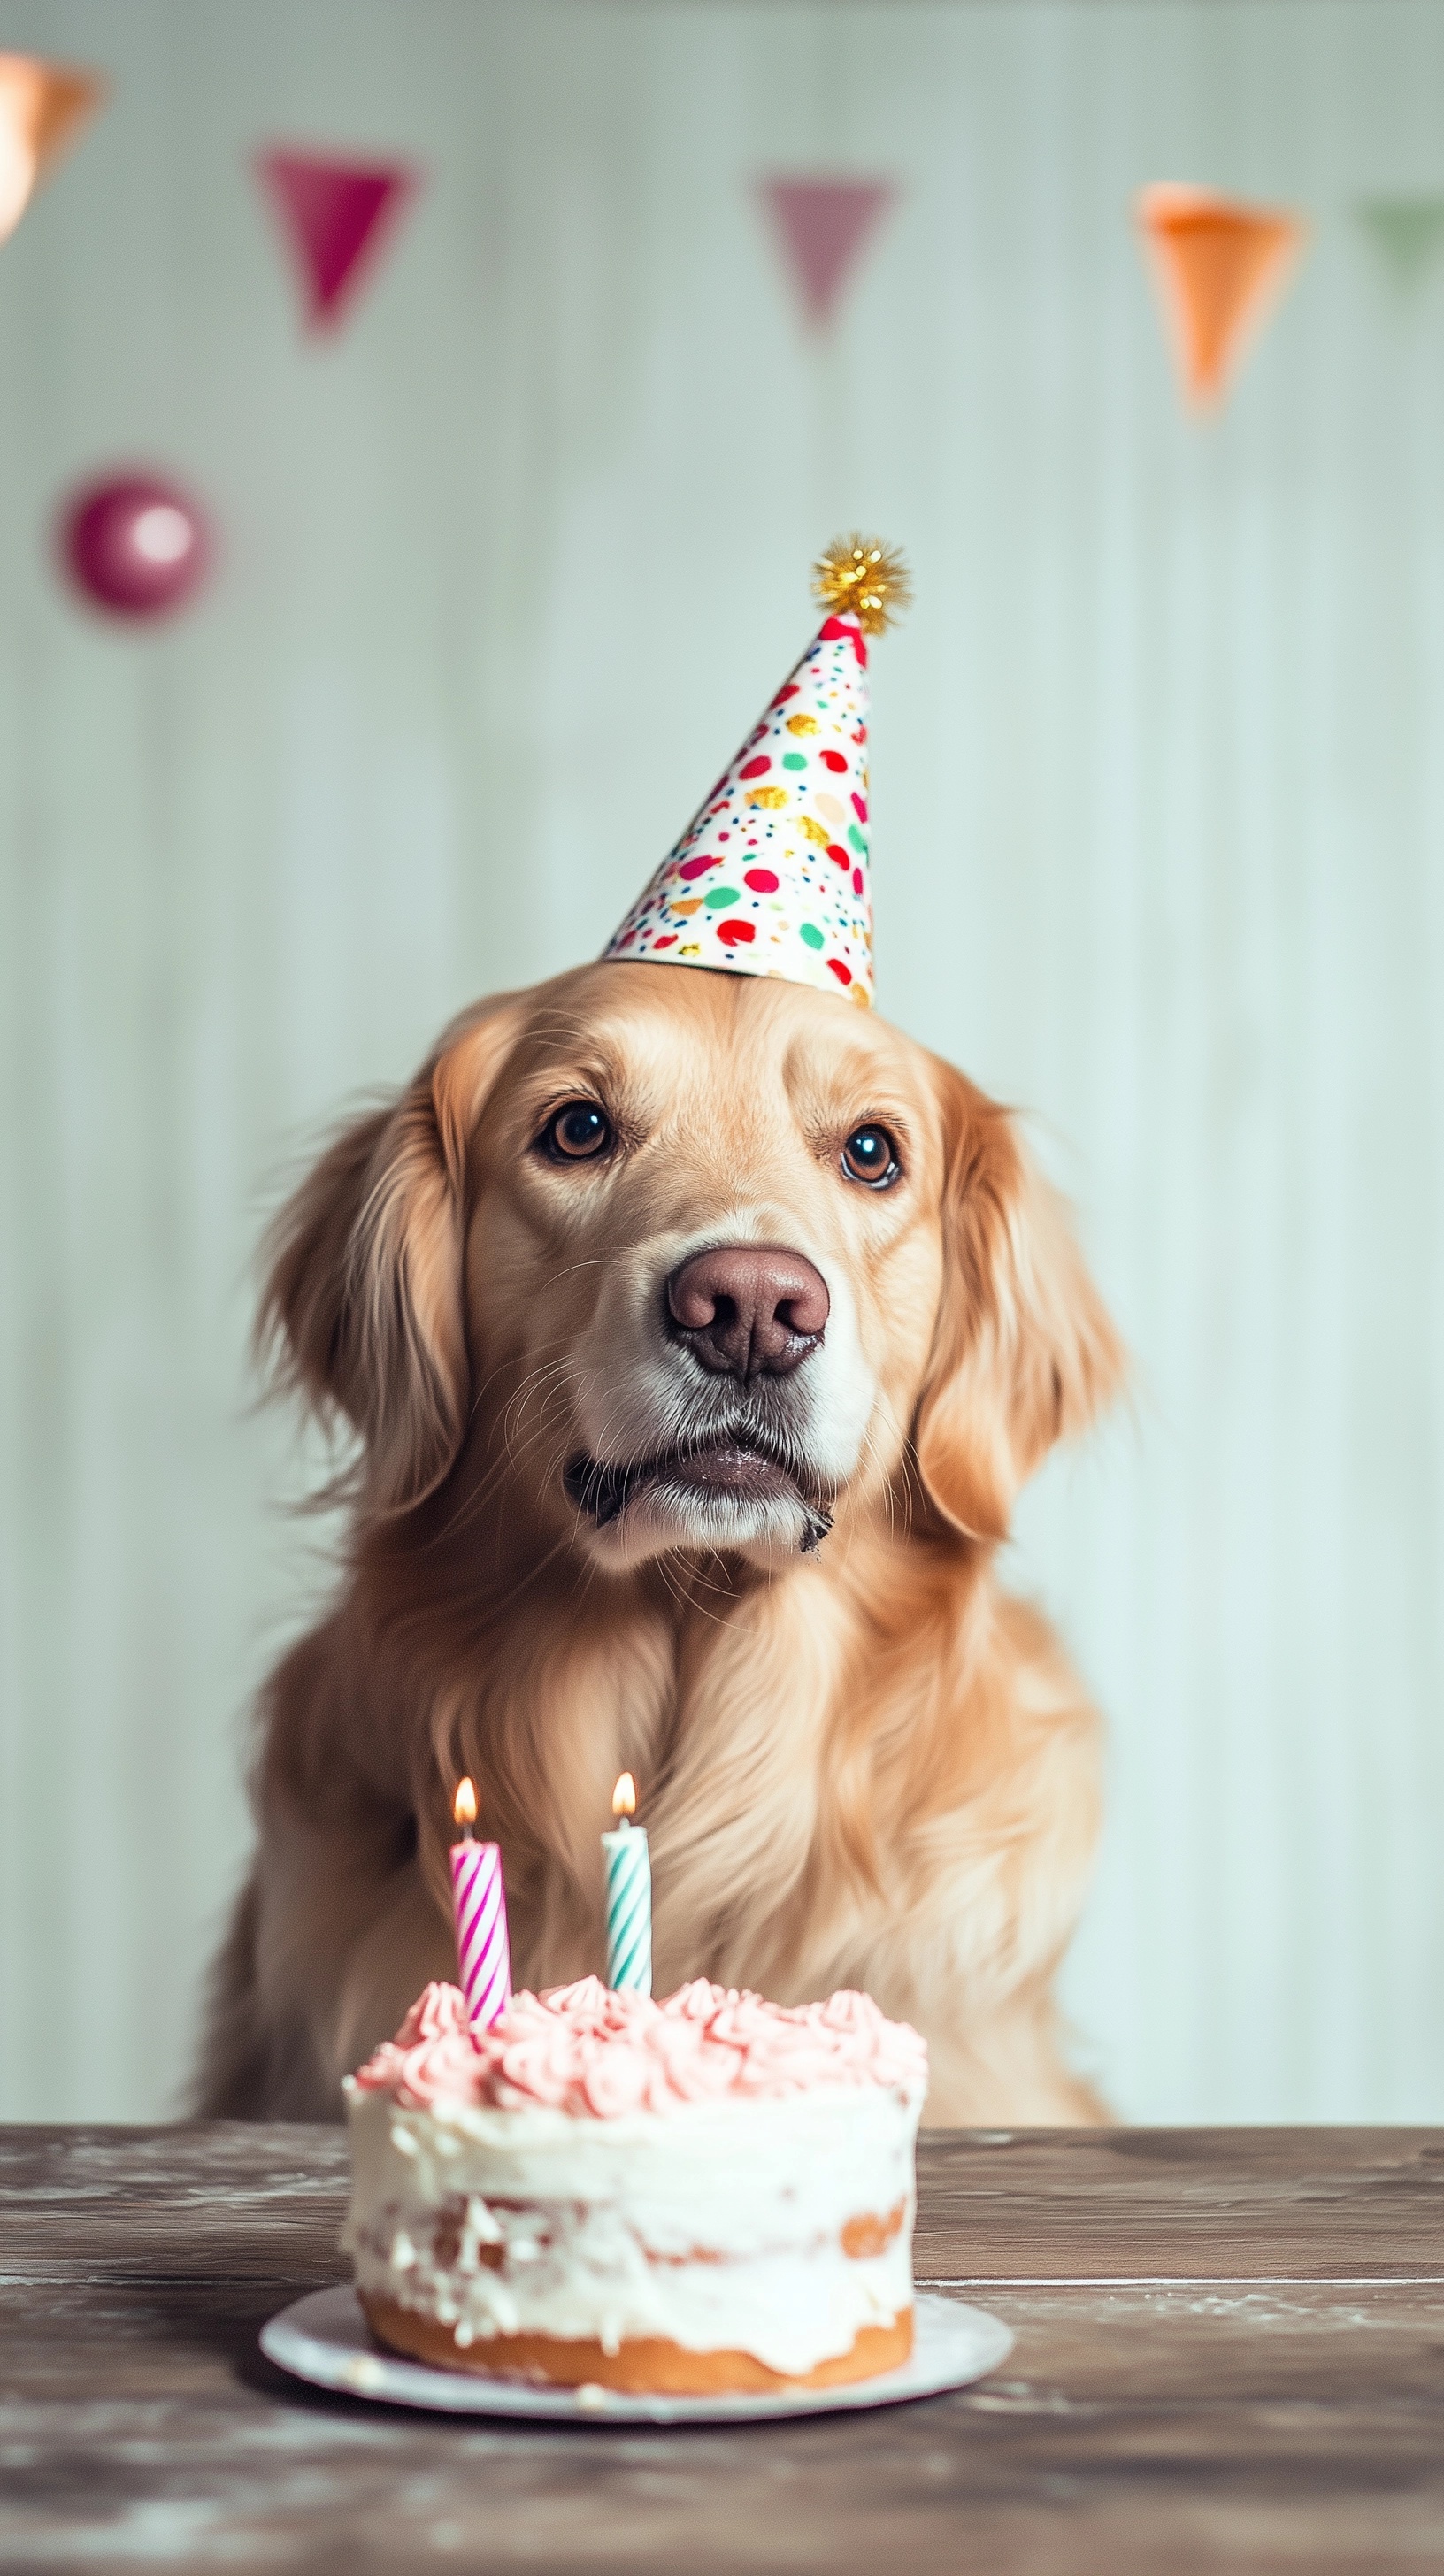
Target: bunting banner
{"points": [[1221, 267], [334, 215], [822, 226], [1407, 233], [43, 107]]}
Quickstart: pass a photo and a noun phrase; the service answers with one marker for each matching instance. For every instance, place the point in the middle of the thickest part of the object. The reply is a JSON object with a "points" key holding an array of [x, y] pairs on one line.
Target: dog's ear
{"points": [[1024, 1353], [365, 1294]]}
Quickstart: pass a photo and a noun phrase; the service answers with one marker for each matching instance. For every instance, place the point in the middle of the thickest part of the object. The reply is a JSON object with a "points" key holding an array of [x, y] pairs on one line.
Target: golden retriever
{"points": [[696, 1333]]}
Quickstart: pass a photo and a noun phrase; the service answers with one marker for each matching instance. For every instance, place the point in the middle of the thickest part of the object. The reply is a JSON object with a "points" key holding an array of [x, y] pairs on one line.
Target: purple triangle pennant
{"points": [[334, 214], [822, 225]]}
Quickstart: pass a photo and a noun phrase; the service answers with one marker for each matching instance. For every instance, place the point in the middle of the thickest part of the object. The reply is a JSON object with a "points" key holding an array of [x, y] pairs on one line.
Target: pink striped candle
{"points": [[478, 1898]]}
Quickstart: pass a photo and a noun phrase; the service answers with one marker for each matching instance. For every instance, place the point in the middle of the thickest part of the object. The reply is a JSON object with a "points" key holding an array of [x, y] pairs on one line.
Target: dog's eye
{"points": [[578, 1133], [871, 1156]]}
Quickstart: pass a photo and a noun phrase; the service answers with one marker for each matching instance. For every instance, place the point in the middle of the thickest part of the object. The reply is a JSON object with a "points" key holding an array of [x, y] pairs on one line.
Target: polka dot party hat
{"points": [[771, 876]]}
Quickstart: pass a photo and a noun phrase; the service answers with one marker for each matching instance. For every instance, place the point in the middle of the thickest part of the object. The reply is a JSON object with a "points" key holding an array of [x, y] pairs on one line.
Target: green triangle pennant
{"points": [[1407, 232]]}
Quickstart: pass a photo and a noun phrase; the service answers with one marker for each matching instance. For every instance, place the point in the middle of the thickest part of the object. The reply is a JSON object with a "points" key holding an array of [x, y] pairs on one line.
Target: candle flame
{"points": [[463, 1805], [624, 1796]]}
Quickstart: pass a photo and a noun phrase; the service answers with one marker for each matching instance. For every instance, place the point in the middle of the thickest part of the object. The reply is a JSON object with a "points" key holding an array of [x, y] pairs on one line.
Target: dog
{"points": [[695, 1334]]}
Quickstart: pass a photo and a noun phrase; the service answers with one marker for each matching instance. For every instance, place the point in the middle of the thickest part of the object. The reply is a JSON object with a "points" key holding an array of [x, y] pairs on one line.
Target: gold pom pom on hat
{"points": [[865, 577]]}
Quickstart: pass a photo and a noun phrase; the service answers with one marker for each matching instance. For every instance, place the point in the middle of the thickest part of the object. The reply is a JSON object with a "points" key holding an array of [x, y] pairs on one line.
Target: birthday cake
{"points": [[711, 2192]]}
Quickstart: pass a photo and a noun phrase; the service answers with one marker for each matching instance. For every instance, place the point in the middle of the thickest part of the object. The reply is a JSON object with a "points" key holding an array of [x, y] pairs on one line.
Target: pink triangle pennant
{"points": [[822, 225], [334, 214]]}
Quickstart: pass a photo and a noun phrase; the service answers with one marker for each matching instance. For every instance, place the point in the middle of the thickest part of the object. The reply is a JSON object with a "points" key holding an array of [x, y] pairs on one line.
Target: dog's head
{"points": [[669, 1260]]}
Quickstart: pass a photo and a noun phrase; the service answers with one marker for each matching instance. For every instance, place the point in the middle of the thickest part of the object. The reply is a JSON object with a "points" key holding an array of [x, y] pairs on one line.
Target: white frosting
{"points": [[594, 2228]]}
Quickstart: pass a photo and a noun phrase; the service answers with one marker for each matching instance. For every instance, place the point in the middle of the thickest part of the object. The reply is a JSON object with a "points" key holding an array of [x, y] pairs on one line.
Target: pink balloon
{"points": [[136, 544]]}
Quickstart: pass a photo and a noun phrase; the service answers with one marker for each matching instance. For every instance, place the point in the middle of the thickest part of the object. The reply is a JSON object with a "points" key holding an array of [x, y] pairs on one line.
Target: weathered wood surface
{"points": [[1230, 2354]]}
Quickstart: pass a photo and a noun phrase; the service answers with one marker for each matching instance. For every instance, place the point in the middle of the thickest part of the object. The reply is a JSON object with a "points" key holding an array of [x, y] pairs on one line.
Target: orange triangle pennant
{"points": [[43, 107], [1221, 267]]}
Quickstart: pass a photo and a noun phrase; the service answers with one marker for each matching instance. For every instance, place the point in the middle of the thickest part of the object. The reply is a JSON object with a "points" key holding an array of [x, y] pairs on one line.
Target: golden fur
{"points": [[863, 1765]]}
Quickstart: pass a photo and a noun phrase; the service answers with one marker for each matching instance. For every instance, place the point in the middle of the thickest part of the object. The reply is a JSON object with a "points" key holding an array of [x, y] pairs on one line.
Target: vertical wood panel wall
{"points": [[508, 567]]}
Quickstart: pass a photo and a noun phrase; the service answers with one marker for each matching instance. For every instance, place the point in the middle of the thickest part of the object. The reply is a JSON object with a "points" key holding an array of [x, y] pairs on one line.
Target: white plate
{"points": [[325, 2338]]}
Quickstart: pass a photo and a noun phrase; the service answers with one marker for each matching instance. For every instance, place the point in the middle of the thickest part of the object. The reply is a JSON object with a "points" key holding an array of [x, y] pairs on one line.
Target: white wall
{"points": [[1159, 840]]}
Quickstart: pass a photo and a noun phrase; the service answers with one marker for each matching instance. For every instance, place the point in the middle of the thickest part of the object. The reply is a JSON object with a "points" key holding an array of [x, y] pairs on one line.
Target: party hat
{"points": [[771, 875]]}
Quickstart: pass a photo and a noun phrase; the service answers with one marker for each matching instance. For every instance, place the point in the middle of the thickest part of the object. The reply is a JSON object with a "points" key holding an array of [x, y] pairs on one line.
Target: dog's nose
{"points": [[749, 1309]]}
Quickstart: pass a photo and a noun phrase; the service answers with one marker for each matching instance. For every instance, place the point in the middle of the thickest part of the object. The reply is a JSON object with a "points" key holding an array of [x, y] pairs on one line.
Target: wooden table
{"points": [[1230, 2353]]}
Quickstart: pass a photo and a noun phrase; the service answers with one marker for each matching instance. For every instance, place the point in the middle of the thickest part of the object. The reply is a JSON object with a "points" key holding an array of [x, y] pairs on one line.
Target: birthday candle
{"points": [[629, 1895], [478, 1899]]}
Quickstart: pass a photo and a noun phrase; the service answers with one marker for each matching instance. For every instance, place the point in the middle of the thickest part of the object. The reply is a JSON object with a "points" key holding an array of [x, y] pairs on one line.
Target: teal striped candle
{"points": [[628, 1865]]}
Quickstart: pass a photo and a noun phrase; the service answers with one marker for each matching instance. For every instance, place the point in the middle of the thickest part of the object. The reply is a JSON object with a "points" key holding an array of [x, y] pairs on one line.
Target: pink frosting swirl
{"points": [[586, 2050]]}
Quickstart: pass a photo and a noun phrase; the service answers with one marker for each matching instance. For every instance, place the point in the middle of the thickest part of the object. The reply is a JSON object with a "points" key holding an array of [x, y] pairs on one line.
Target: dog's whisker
{"points": [[470, 1508]]}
